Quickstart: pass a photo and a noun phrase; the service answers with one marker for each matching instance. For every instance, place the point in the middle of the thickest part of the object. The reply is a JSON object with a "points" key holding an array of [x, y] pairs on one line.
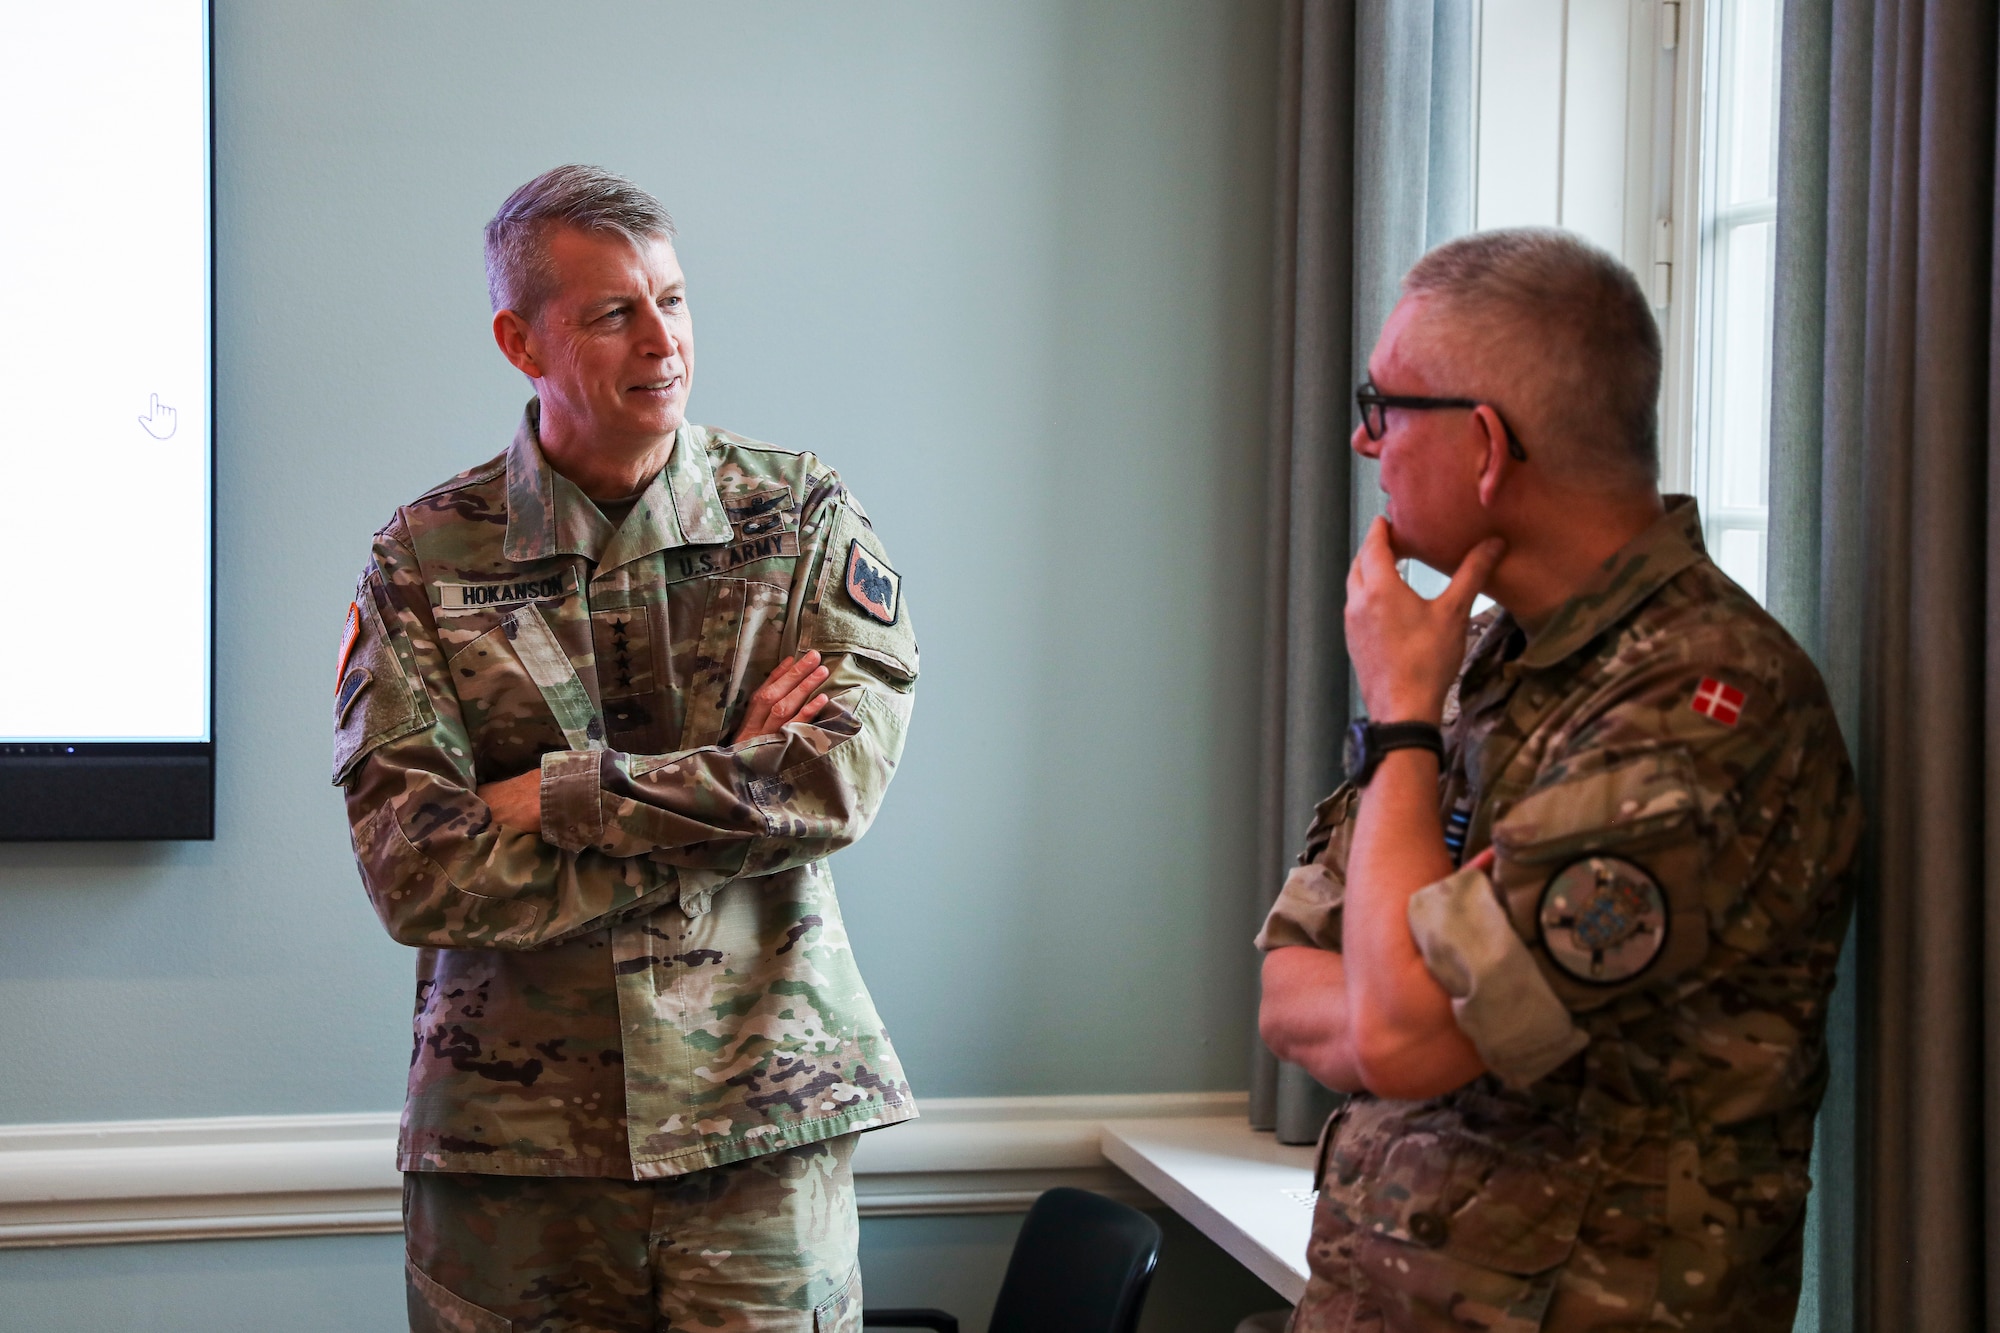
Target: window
{"points": [[1737, 269], [1650, 127]]}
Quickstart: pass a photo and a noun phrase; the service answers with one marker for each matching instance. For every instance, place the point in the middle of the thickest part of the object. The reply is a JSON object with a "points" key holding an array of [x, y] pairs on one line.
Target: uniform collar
{"points": [[548, 514], [1641, 568]]}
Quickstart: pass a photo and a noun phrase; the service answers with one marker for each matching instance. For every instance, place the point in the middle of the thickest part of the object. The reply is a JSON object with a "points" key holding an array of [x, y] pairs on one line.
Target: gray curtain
{"points": [[1374, 165], [1885, 562], [1413, 140], [1305, 662]]}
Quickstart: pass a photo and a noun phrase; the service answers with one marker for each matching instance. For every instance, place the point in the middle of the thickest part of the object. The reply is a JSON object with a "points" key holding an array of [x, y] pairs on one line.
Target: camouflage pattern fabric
{"points": [[1662, 777], [766, 1245], [661, 982]]}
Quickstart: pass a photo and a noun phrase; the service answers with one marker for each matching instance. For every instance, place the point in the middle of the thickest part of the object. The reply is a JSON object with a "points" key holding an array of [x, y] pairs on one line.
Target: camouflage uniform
{"points": [[764, 1243], [660, 983], [1646, 973]]}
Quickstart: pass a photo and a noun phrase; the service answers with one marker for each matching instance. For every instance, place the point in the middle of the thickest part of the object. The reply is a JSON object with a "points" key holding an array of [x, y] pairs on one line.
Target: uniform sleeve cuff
{"points": [[1503, 1003], [572, 808], [1308, 911]]}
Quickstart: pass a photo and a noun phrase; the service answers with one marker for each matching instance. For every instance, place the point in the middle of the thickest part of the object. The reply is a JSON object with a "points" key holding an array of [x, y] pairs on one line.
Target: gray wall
{"points": [[1005, 265]]}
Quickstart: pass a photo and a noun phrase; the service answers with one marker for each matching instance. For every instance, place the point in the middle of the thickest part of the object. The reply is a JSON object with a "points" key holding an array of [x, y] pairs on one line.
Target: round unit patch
{"points": [[1603, 919]]}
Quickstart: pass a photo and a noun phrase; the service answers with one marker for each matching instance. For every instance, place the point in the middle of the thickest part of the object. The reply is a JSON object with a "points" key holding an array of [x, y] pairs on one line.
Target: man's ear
{"points": [[513, 335], [1497, 464]]}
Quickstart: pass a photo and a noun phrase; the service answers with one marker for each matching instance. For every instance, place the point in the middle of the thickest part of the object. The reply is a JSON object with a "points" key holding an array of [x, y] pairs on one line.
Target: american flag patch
{"points": [[1718, 702]]}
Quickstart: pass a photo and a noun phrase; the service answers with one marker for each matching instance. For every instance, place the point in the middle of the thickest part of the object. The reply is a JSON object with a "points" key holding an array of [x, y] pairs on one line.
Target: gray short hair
{"points": [[518, 277], [1594, 387]]}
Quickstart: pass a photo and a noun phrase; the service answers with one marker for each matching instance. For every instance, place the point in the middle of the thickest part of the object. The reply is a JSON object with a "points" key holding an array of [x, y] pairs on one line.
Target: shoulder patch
{"points": [[871, 584], [1718, 702], [347, 638], [350, 689], [1603, 919]]}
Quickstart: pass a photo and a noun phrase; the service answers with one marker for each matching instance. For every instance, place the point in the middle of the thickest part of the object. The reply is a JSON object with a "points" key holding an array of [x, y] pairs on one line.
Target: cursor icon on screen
{"points": [[159, 422]]}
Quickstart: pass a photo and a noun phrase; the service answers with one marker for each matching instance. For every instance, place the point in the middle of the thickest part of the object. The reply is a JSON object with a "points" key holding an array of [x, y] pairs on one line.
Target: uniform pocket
{"points": [[840, 1312], [1603, 803], [1509, 1204], [501, 706], [1440, 1227], [435, 1308], [740, 628]]}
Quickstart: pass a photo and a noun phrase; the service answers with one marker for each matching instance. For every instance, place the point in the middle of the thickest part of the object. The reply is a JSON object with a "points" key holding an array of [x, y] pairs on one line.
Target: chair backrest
{"points": [[1081, 1265]]}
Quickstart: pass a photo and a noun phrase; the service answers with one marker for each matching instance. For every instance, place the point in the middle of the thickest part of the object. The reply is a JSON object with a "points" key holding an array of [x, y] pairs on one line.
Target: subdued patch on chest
{"points": [[761, 513], [489, 594], [726, 559]]}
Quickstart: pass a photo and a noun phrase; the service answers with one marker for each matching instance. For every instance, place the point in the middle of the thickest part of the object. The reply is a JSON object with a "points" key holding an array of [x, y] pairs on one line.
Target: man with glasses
{"points": [[1568, 932]]}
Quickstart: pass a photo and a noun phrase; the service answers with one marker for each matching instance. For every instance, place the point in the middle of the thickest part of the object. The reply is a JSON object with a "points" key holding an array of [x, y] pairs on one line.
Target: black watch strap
{"points": [[1369, 741]]}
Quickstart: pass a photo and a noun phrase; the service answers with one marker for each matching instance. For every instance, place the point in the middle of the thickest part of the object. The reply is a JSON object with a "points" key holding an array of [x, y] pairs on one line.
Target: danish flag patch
{"points": [[1718, 702]]}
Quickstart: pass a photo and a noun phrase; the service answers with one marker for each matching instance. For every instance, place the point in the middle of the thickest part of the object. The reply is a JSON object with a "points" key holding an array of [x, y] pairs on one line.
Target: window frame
{"points": [[1718, 220], [1532, 58]]}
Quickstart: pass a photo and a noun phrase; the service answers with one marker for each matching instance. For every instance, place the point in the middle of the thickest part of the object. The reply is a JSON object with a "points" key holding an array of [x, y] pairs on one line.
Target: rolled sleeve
{"points": [[1309, 905], [1307, 911], [1499, 997]]}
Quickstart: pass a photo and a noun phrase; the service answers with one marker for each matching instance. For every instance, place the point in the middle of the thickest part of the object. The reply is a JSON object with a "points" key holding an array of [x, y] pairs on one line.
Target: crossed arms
{"points": [[1372, 1017], [785, 696]]}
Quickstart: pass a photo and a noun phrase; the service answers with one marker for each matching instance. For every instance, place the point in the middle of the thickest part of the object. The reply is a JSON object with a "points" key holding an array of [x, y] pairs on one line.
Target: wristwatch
{"points": [[1368, 741]]}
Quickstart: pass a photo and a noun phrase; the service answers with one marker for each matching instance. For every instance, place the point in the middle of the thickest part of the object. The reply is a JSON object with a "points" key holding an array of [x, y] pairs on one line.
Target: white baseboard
{"points": [[111, 1182]]}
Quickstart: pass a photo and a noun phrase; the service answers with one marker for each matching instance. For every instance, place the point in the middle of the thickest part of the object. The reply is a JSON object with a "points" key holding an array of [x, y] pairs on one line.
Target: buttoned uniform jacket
{"points": [[661, 981], [1645, 973]]}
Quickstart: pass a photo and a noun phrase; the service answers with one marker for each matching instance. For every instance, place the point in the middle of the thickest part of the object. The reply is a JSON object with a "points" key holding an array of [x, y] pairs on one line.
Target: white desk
{"points": [[1241, 1188]]}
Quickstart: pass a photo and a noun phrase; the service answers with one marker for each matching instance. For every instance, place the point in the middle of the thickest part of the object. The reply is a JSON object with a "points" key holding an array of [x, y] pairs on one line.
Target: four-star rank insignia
{"points": [[871, 584], [1603, 920]]}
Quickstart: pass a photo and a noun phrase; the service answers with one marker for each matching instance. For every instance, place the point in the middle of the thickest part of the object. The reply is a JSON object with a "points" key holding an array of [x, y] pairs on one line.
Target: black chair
{"points": [[1080, 1265]]}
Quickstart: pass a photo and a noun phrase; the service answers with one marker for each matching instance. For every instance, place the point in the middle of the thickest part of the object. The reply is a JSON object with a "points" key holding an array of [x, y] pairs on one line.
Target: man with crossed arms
{"points": [[642, 1049], [1568, 933]]}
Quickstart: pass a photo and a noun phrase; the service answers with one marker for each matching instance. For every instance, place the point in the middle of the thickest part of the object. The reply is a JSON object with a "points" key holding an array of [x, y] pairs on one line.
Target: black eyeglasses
{"points": [[1375, 405]]}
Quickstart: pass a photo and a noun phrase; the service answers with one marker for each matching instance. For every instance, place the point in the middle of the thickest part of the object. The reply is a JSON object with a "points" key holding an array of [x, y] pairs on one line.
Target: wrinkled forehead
{"points": [[593, 265]]}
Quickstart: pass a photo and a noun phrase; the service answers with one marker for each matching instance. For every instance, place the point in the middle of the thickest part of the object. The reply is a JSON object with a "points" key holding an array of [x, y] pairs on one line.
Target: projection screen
{"points": [[106, 661]]}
